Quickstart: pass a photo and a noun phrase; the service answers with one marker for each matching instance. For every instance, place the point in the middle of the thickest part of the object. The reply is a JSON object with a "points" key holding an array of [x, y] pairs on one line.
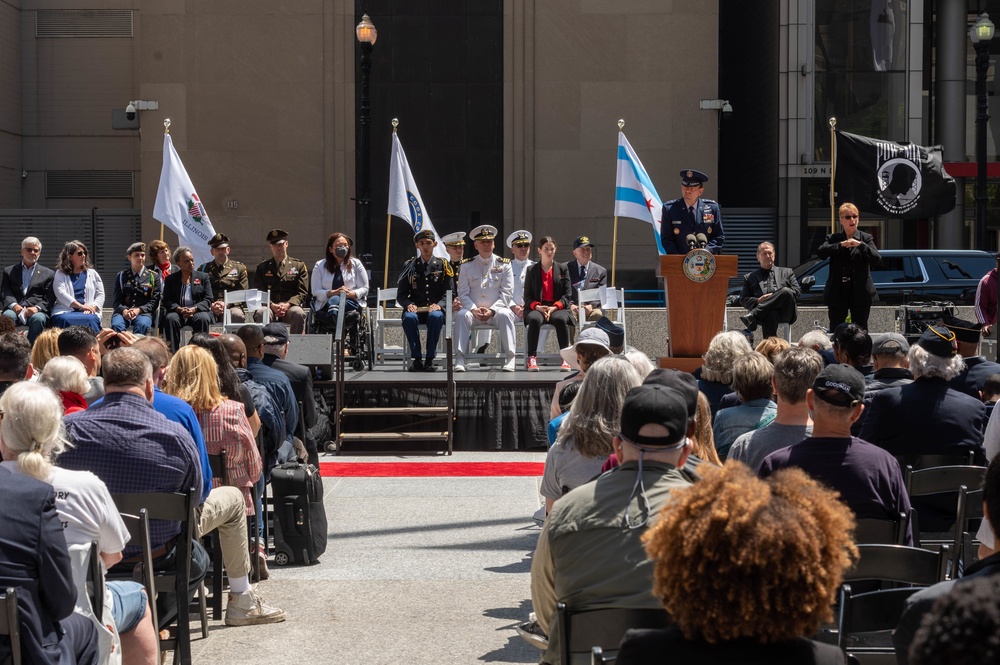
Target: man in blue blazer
{"points": [[26, 289]]}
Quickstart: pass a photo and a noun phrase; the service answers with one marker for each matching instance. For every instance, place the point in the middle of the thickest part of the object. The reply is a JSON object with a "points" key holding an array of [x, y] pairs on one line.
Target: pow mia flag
{"points": [[892, 179]]}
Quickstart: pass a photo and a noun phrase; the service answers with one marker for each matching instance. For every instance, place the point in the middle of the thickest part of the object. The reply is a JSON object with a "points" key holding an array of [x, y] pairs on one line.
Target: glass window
{"points": [[964, 267], [893, 269]]}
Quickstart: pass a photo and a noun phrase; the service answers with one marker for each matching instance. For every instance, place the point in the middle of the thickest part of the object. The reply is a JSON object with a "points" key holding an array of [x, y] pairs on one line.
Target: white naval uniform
{"points": [[486, 283]]}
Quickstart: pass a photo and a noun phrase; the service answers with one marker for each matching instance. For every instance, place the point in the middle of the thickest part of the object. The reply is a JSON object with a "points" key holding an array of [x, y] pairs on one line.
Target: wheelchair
{"points": [[359, 341]]}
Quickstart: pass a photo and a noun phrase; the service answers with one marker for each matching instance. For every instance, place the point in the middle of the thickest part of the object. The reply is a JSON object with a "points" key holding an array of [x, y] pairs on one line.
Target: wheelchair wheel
{"points": [[357, 364]]}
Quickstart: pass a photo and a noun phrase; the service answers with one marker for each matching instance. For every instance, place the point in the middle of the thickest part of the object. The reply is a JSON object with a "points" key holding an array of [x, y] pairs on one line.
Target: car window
{"points": [[896, 270], [821, 274], [964, 267]]}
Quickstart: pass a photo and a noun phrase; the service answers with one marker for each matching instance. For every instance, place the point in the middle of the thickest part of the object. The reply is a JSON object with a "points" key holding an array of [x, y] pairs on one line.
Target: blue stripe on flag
{"points": [[630, 196]]}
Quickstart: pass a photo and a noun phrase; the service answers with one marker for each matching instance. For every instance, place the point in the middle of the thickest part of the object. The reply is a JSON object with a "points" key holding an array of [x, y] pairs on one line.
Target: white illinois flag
{"points": [[404, 197], [635, 195], [178, 206]]}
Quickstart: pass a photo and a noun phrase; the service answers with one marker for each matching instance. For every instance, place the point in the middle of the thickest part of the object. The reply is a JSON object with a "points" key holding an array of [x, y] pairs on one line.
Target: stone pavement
{"points": [[417, 570]]}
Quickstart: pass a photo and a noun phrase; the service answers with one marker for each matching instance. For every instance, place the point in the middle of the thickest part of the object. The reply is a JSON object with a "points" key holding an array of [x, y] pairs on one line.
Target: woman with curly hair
{"points": [[716, 375], [746, 568], [78, 289], [584, 440]]}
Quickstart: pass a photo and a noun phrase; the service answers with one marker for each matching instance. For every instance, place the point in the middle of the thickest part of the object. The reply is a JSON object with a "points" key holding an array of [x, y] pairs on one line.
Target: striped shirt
{"points": [[226, 428]]}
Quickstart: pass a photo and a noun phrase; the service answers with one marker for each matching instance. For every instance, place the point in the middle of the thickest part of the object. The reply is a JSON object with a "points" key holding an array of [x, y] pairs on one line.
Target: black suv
{"points": [[909, 275]]}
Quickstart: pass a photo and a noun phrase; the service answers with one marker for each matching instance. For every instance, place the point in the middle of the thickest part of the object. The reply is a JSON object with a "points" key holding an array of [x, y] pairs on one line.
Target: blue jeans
{"points": [[36, 324], [411, 323], [140, 324], [67, 319], [128, 603]]}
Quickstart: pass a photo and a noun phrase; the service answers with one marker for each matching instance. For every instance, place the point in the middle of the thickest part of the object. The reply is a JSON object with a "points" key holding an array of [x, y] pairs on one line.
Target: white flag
{"points": [[635, 195], [178, 206], [404, 197]]}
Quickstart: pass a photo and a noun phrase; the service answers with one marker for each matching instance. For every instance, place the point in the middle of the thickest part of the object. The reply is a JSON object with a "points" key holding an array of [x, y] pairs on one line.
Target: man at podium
{"points": [[770, 293], [691, 215]]}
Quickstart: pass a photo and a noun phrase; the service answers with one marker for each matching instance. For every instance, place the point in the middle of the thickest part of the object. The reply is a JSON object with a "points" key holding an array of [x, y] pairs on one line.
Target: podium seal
{"points": [[699, 265]]}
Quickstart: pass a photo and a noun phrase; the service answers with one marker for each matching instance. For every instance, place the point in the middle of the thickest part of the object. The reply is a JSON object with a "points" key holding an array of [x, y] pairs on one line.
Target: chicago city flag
{"points": [[178, 206], [892, 179], [635, 195], [404, 197]]}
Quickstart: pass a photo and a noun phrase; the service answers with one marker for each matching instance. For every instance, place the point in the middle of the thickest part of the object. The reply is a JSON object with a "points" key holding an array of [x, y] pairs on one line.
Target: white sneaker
{"points": [[249, 609], [508, 366], [459, 368]]}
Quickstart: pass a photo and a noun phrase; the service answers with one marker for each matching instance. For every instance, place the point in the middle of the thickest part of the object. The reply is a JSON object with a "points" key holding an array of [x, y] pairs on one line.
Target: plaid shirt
{"points": [[226, 428], [132, 448]]}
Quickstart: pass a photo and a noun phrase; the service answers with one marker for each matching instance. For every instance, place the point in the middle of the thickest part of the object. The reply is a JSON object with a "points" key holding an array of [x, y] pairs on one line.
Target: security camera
{"points": [[130, 111]]}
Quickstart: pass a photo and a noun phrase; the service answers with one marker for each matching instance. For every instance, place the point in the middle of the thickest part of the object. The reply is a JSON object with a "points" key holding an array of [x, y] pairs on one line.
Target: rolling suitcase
{"points": [[299, 516]]}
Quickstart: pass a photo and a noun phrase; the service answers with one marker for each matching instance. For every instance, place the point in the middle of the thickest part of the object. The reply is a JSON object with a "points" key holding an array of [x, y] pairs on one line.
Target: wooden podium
{"points": [[695, 309]]}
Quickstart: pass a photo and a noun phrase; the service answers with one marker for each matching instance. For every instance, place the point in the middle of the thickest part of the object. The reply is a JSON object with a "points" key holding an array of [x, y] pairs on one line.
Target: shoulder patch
{"points": [[709, 201], [464, 261], [670, 202]]}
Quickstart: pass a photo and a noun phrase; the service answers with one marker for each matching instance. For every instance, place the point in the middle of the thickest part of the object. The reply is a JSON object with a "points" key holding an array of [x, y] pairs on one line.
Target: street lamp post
{"points": [[981, 34], [367, 34]]}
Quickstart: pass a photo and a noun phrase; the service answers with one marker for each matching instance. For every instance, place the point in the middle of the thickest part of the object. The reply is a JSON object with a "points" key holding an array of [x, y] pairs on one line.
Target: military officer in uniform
{"points": [[137, 293], [420, 291], [226, 275], [691, 214], [454, 244], [485, 289], [519, 243], [287, 281]]}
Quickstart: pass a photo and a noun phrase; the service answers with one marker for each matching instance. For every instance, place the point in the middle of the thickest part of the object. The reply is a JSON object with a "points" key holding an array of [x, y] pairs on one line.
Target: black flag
{"points": [[892, 179]]}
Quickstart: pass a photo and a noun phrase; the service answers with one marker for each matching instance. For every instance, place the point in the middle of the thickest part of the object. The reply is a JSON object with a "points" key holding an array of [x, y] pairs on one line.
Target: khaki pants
{"points": [[224, 510]]}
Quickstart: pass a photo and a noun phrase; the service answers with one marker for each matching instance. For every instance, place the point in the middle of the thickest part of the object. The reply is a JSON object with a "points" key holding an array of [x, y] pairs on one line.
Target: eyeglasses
{"points": [[522, 244], [848, 216]]}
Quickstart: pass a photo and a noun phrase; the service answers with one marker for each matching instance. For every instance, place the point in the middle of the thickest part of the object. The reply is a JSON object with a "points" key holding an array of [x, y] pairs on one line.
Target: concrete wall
{"points": [[10, 103]]}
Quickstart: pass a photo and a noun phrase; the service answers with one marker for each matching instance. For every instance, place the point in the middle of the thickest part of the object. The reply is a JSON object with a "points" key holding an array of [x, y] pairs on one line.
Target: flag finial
{"points": [[166, 125], [395, 124], [833, 123], [621, 124]]}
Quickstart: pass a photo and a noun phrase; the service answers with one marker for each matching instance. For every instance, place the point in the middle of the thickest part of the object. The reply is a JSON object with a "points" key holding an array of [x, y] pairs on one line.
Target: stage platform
{"points": [[495, 410]]}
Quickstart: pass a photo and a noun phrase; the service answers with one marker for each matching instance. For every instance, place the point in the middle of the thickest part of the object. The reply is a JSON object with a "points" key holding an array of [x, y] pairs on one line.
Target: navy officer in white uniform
{"points": [[691, 214], [486, 290]]}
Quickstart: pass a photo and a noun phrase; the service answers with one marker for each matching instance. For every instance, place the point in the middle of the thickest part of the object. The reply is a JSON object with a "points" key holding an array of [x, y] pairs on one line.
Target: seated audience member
{"points": [[229, 381], [716, 375], [566, 398], [752, 375], [927, 416], [26, 290], [991, 393], [585, 274], [421, 290], [31, 436], [584, 440], [640, 361], [137, 293], [589, 552], [616, 335], [919, 605], [854, 347], [547, 294], [703, 441], [81, 343], [819, 341], [78, 289], [961, 627], [590, 345], [15, 359], [715, 573], [67, 377], [891, 366], [300, 378], [770, 347], [795, 369], [34, 560], [867, 477], [278, 387], [45, 348], [770, 293], [187, 299], [977, 368], [159, 254], [6, 325]]}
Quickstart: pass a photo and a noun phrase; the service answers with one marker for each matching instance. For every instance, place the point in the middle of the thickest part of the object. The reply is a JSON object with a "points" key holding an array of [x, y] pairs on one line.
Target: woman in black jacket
{"points": [[849, 286], [547, 292]]}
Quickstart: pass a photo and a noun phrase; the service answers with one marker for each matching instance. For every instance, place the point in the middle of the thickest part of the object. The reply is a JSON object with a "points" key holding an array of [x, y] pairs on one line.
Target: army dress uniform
{"points": [[287, 282], [228, 276], [423, 284], [486, 283], [143, 290], [678, 220]]}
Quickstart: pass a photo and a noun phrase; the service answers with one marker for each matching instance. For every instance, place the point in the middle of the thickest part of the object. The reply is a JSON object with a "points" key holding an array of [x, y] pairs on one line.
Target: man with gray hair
{"points": [[819, 341], [26, 289], [795, 369], [770, 293], [299, 376], [752, 381]]}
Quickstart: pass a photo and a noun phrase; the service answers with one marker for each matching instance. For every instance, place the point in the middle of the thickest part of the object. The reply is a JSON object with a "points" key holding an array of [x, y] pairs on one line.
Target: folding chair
{"points": [[612, 304], [10, 623], [218, 466], [866, 620], [919, 462], [899, 563], [580, 631], [935, 491], [138, 529], [872, 530], [964, 548], [385, 300], [254, 298], [95, 581], [174, 507]]}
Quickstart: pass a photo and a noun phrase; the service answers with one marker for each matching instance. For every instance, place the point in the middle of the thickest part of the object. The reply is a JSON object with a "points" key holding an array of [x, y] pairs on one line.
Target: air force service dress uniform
{"points": [[679, 220], [422, 284], [228, 276], [485, 283]]}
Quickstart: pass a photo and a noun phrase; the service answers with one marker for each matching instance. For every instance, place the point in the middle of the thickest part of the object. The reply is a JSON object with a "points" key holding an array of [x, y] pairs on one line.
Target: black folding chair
{"points": [[919, 462], [10, 623], [937, 488], [95, 582], [866, 621], [138, 529], [900, 564], [871, 530], [580, 631], [970, 513], [219, 470]]}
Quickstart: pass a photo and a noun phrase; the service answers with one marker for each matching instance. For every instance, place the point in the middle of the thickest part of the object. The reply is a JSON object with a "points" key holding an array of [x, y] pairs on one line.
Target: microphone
{"points": [[692, 241], [702, 240]]}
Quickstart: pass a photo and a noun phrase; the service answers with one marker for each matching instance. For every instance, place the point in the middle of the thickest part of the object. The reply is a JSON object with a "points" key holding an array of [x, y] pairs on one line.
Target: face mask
{"points": [[341, 252]]}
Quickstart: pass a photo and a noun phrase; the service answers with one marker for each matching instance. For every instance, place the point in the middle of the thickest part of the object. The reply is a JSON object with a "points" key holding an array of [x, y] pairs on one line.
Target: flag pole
{"points": [[388, 221], [166, 130], [614, 237], [833, 173]]}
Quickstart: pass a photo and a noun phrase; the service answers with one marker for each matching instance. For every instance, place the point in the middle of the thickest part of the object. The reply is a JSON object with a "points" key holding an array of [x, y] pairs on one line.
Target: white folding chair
{"points": [[254, 299], [612, 304], [386, 299]]}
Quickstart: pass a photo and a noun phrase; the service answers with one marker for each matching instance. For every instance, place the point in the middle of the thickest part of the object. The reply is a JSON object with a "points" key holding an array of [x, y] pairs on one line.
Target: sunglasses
{"points": [[522, 244], [80, 252], [848, 216]]}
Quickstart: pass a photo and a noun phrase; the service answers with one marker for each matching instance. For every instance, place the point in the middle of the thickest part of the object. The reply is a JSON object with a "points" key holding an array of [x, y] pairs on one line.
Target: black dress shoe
{"points": [[749, 321], [482, 349], [417, 365], [429, 365]]}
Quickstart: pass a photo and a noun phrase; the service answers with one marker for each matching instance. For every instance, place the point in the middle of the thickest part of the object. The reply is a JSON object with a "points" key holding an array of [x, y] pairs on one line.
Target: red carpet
{"points": [[428, 469]]}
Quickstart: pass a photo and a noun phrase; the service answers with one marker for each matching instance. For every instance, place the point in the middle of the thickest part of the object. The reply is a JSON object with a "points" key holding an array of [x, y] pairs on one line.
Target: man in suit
{"points": [[769, 292], [286, 280], [26, 289], [183, 308], [585, 274], [137, 293], [420, 291], [226, 275], [275, 357], [485, 289], [691, 214], [852, 255], [34, 560]]}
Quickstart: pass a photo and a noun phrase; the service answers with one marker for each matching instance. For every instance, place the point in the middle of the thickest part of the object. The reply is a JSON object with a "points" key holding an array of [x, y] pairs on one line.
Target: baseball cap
{"points": [[651, 404], [275, 331], [938, 341], [683, 382], [890, 343], [840, 385]]}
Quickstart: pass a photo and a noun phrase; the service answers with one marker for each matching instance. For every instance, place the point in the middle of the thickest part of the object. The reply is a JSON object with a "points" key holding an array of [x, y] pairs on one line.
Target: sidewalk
{"points": [[418, 570]]}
